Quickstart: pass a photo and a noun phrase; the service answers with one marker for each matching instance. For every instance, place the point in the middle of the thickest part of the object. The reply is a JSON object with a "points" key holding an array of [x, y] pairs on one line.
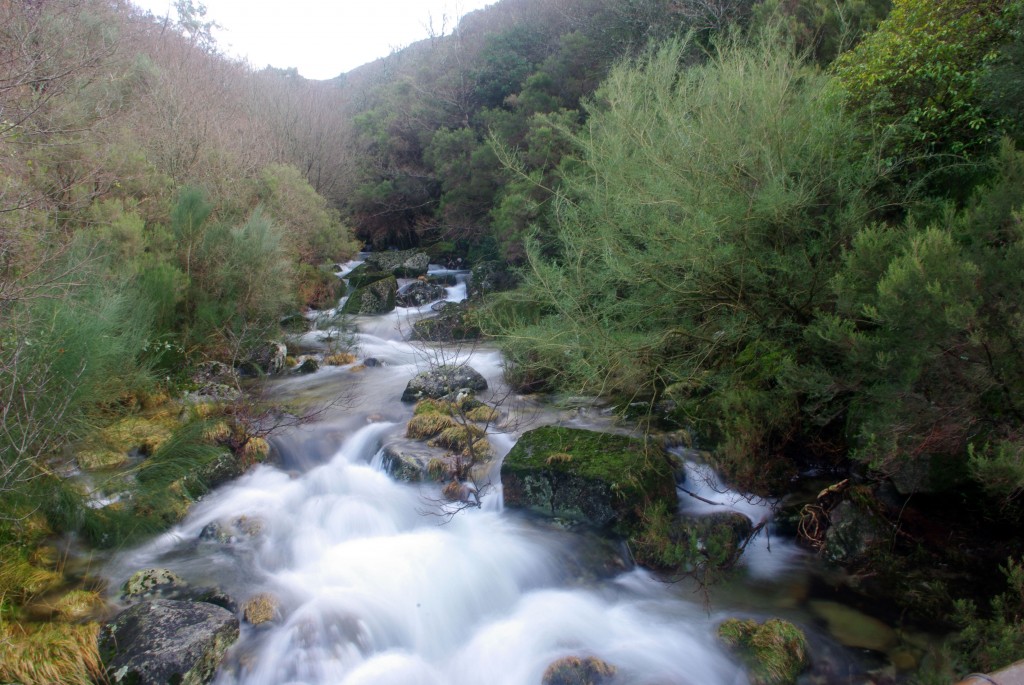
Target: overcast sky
{"points": [[322, 38]]}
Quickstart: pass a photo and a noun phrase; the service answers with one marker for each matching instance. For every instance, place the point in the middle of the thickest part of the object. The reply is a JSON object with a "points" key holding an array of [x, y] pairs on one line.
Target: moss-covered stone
{"points": [[702, 544], [401, 263], [606, 480], [377, 297], [363, 275], [427, 425], [261, 608], [152, 582], [452, 324], [774, 652]]}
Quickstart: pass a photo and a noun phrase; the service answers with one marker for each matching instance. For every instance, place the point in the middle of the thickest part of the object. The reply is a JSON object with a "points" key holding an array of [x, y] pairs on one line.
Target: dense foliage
{"points": [[791, 227]]}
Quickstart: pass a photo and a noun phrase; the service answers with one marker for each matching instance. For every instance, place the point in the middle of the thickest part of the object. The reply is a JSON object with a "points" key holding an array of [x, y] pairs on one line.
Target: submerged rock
{"points": [[606, 480], [573, 670], [774, 652], [443, 380], [377, 297], [167, 642], [307, 366]]}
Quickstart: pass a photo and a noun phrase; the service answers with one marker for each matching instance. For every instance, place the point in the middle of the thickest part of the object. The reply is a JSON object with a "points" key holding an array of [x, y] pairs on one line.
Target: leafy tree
{"points": [[916, 80], [697, 238]]}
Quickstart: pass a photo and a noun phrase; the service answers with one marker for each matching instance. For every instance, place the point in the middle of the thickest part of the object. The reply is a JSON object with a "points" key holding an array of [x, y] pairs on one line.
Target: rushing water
{"points": [[377, 585]]}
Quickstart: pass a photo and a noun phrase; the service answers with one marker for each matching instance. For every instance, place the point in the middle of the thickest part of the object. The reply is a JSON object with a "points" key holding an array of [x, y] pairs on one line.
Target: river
{"points": [[376, 583]]}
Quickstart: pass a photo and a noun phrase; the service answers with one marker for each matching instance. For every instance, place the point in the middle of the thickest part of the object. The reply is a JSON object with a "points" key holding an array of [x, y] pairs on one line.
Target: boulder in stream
{"points": [[443, 380], [574, 670], [603, 479], [401, 263], [450, 325], [774, 652], [374, 298], [419, 293], [167, 642]]}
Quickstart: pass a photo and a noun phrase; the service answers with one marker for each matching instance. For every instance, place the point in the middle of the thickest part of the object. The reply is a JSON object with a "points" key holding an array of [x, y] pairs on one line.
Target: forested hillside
{"points": [[789, 229]]}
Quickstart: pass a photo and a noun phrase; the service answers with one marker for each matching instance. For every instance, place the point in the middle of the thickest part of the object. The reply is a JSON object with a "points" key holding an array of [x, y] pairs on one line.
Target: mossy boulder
{"points": [[774, 652], [152, 582], [491, 277], [450, 325], [401, 263], [167, 642], [855, 534], [374, 298], [683, 544], [363, 275], [574, 670], [603, 479]]}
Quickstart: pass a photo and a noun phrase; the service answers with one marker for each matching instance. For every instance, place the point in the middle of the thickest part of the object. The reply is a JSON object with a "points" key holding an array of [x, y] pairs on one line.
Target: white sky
{"points": [[322, 38]]}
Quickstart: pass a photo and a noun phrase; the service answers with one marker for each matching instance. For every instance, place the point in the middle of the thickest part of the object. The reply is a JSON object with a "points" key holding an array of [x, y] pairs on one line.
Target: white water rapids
{"points": [[375, 587]]}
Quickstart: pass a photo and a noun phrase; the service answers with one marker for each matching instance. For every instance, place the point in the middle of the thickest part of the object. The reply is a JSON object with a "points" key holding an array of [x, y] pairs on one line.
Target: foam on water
{"points": [[376, 585]]}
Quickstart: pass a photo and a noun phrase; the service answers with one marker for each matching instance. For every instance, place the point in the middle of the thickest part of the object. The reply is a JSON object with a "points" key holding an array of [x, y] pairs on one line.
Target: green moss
{"points": [[774, 652], [630, 466], [606, 480], [423, 426], [431, 406]]}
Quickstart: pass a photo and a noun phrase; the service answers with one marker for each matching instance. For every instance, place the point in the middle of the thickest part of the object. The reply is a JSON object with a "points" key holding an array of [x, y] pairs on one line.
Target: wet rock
{"points": [[490, 277], [687, 543], [372, 362], [377, 297], [419, 293], [166, 642], [261, 608], [774, 652], [307, 366], [405, 464], [363, 275], [599, 478], [443, 380], [268, 358], [855, 533], [574, 670], [450, 324], [403, 263]]}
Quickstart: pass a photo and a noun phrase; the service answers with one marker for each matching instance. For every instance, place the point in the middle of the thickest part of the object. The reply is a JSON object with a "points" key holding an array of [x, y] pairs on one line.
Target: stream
{"points": [[377, 582]]}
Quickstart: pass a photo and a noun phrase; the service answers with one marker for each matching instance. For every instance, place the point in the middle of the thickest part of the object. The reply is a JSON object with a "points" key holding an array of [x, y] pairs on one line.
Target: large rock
{"points": [[690, 543], [443, 380], [606, 480], [490, 277], [450, 324], [167, 642], [855, 535], [375, 298], [419, 293], [404, 264], [268, 358]]}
